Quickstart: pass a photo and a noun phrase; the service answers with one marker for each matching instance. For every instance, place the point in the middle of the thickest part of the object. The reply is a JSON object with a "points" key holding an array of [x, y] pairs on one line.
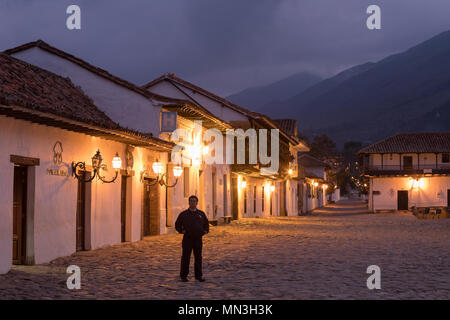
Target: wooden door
{"points": [[146, 217], [271, 202], [235, 199], [407, 163], [300, 198], [81, 215], [448, 198], [283, 198], [214, 191], [19, 214], [225, 187], [123, 207], [151, 208], [402, 198]]}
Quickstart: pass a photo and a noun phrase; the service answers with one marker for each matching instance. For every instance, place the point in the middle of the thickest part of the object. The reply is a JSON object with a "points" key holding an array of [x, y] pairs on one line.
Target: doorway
{"points": [[225, 189], [235, 199], [407, 163], [151, 218], [402, 198], [448, 198], [123, 208], [214, 191], [283, 198], [19, 214], [81, 214], [300, 198]]}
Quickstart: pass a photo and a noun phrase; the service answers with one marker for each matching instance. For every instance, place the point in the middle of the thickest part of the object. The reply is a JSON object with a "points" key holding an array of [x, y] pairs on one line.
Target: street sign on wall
{"points": [[168, 121]]}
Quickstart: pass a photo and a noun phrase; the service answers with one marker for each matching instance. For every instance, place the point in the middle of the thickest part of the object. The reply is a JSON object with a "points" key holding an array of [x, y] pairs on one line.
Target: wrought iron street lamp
{"points": [[97, 166], [162, 178]]}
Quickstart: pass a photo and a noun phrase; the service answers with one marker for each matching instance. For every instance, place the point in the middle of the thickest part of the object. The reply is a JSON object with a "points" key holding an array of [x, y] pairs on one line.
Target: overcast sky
{"points": [[223, 45]]}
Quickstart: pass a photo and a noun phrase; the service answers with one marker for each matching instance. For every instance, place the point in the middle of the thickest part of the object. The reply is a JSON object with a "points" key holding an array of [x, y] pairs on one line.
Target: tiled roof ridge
{"points": [[392, 139], [86, 65], [106, 122], [36, 71], [172, 76], [256, 115]]}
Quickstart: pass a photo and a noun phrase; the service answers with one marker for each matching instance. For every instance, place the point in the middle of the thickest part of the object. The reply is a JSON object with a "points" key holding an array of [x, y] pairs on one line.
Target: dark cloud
{"points": [[224, 45]]}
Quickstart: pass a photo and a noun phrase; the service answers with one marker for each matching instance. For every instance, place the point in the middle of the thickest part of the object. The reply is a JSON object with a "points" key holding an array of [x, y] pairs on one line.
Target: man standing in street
{"points": [[194, 224]]}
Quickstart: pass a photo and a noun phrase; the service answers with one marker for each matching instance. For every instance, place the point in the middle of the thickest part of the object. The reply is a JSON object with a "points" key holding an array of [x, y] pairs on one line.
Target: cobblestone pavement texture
{"points": [[321, 256]]}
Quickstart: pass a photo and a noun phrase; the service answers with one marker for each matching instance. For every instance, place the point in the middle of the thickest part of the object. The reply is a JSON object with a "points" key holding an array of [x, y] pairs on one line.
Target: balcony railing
{"points": [[440, 167]]}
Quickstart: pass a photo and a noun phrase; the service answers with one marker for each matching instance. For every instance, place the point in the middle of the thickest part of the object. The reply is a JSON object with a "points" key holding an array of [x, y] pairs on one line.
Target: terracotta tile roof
{"points": [[306, 160], [101, 72], [31, 93], [171, 77], [427, 142], [290, 126], [29, 86]]}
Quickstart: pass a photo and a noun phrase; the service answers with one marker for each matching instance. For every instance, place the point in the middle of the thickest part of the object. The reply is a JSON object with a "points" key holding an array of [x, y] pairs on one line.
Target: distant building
{"points": [[410, 169], [313, 184]]}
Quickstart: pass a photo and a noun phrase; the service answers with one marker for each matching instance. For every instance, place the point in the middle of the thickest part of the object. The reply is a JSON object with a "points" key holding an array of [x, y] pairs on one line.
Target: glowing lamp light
{"points": [[272, 188], [316, 184], [177, 171], [243, 184], [416, 183], [117, 162], [325, 186], [290, 172], [157, 167]]}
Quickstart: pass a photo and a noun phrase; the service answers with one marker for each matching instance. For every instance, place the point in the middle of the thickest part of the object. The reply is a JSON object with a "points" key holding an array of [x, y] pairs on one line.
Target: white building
{"points": [[313, 184], [136, 108], [251, 194], [47, 125], [406, 170]]}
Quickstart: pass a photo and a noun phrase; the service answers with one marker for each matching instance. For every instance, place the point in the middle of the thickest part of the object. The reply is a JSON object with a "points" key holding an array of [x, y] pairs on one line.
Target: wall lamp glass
{"points": [[162, 178], [97, 166]]}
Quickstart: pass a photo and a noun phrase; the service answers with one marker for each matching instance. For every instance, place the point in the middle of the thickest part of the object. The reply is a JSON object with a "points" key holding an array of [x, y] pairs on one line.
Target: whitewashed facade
{"points": [[257, 195], [408, 170]]}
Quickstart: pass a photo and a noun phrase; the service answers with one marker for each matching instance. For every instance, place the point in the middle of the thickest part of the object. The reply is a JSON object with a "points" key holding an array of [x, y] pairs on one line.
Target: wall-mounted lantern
{"points": [[97, 166], [290, 171], [416, 183], [162, 178]]}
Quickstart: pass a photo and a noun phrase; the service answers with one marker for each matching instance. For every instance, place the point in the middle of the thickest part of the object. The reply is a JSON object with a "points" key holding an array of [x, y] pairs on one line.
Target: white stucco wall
{"points": [[225, 113], [122, 105], [251, 212], [56, 196], [433, 192]]}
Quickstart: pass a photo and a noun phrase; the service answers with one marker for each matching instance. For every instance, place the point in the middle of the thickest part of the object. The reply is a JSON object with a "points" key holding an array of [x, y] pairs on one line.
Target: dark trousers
{"points": [[189, 245]]}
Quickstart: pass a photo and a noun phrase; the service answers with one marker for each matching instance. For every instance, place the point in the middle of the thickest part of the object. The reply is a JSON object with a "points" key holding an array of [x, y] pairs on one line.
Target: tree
{"points": [[323, 147]]}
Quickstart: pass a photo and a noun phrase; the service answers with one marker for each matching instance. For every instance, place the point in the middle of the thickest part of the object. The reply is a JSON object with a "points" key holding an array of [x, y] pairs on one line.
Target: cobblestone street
{"points": [[321, 256]]}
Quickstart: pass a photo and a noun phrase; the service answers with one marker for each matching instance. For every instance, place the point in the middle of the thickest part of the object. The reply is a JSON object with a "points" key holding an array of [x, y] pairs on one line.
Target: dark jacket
{"points": [[192, 223]]}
